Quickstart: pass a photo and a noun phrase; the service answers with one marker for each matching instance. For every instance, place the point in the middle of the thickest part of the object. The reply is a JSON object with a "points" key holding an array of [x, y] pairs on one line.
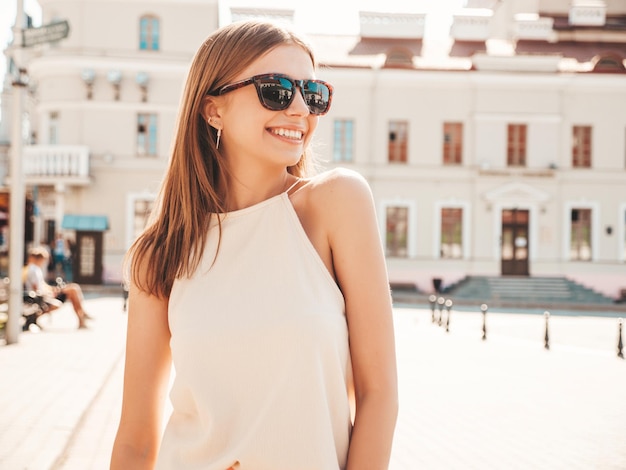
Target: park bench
{"points": [[33, 306]]}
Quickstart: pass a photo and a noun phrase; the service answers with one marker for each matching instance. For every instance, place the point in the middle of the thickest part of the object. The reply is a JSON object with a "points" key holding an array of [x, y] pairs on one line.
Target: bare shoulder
{"points": [[338, 190]]}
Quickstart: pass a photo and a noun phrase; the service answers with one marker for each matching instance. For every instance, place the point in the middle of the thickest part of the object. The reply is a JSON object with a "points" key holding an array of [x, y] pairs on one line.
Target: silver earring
{"points": [[219, 134]]}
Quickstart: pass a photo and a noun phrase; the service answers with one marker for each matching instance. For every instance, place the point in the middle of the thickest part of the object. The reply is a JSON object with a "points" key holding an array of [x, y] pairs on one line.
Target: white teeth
{"points": [[290, 134]]}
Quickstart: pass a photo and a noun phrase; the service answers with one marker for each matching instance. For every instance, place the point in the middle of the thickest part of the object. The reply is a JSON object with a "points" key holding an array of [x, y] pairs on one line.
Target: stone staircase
{"points": [[522, 291]]}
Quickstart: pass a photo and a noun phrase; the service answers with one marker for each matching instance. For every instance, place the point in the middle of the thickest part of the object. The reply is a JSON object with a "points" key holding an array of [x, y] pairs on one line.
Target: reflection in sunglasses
{"points": [[276, 92]]}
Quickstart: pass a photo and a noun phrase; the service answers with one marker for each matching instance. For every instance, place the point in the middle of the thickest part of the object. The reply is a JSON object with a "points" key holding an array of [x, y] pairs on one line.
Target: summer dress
{"points": [[260, 351]]}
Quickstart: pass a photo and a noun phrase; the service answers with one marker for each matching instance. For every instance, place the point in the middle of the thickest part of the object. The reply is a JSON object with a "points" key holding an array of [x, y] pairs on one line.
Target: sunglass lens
{"points": [[317, 97], [277, 93]]}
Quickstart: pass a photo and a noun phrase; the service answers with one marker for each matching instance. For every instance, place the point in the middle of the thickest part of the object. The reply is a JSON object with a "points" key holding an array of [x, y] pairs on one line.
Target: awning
{"points": [[86, 223]]}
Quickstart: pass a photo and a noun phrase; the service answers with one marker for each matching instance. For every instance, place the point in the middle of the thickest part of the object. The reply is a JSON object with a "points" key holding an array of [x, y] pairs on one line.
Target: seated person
{"points": [[54, 296]]}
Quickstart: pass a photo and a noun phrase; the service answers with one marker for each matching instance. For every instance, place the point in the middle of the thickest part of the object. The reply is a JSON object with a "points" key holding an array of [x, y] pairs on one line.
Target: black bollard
{"points": [[125, 296], [440, 302], [433, 300], [546, 345], [620, 343], [448, 307], [484, 308]]}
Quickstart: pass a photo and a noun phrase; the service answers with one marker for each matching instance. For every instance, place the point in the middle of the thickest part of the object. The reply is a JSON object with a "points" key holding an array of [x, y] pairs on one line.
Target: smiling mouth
{"points": [[287, 133]]}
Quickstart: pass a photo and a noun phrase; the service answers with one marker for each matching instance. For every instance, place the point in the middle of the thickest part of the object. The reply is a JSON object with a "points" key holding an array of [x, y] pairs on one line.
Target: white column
{"points": [[59, 205], [17, 205]]}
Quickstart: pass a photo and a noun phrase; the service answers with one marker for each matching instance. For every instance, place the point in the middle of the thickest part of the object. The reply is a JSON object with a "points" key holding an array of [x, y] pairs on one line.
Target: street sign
{"points": [[46, 33]]}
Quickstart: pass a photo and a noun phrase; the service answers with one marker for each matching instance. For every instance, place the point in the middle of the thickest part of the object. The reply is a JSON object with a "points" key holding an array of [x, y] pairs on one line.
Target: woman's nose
{"points": [[298, 106]]}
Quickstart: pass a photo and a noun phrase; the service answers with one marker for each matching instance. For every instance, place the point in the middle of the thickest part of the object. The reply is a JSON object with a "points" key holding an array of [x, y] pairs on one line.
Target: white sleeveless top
{"points": [[260, 349]]}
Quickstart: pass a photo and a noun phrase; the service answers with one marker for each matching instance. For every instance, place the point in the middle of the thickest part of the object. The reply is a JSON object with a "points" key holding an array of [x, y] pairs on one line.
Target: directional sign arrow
{"points": [[47, 33]]}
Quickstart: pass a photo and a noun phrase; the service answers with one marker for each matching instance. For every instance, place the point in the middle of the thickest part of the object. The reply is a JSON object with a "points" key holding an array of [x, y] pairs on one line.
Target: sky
{"points": [[7, 20], [329, 16]]}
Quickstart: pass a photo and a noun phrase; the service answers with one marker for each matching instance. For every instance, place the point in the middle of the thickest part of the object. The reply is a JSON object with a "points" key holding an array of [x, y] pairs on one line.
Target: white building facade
{"points": [[503, 155], [103, 104]]}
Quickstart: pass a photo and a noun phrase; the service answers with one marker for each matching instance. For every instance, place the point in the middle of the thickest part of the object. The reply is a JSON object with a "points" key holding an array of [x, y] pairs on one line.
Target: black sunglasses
{"points": [[276, 92]]}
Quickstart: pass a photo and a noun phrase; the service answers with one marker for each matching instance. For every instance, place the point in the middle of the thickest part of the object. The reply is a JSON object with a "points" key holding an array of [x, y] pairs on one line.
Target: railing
{"points": [[530, 26], [51, 162], [592, 13], [392, 25], [471, 24]]}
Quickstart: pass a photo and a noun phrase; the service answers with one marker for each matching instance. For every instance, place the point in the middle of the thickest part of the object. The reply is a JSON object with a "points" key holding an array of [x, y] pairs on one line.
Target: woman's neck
{"points": [[249, 189]]}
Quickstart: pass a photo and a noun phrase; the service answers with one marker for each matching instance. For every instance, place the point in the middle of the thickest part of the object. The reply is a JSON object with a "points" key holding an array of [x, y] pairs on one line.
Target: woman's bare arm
{"points": [[361, 272], [146, 376]]}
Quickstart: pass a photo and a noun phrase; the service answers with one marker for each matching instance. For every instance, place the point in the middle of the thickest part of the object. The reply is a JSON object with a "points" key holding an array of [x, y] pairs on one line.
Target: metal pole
{"points": [[433, 300], [440, 302], [448, 307], [546, 337], [484, 308], [16, 205], [620, 342]]}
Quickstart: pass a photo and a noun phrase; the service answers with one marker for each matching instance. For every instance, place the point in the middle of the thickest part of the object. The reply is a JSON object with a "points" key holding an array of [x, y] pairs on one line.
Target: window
{"points": [[398, 141], [399, 58], [146, 134], [142, 209], [343, 150], [397, 227], [516, 145], [609, 63], [452, 143], [581, 147], [53, 128], [88, 253], [624, 235], [451, 233], [580, 243], [149, 33]]}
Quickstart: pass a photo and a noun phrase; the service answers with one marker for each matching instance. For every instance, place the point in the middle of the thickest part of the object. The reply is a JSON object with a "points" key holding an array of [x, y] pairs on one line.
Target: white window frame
{"points": [[343, 158], [621, 233], [151, 39], [567, 228], [131, 199], [411, 226], [533, 227], [53, 128], [151, 118], [466, 233]]}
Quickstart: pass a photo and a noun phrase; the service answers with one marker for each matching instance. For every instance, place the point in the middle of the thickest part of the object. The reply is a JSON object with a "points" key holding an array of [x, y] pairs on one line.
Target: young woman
{"points": [[265, 288]]}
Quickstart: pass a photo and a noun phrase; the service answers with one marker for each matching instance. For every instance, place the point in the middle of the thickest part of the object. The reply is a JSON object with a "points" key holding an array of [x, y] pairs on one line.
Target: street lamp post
{"points": [[16, 205]]}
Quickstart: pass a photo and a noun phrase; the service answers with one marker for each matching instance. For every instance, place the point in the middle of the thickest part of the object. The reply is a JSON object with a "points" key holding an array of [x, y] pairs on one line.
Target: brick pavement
{"points": [[504, 403]]}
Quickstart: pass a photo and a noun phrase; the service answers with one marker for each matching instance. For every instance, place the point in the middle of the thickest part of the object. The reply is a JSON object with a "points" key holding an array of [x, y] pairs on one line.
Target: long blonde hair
{"points": [[172, 245]]}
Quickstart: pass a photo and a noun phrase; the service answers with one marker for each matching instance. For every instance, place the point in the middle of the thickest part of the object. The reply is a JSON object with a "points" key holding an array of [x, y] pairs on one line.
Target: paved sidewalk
{"points": [[50, 378], [508, 403], [503, 403]]}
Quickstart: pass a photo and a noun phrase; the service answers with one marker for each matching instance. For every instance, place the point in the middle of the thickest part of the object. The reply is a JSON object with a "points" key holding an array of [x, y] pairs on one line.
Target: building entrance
{"points": [[88, 257], [514, 242]]}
